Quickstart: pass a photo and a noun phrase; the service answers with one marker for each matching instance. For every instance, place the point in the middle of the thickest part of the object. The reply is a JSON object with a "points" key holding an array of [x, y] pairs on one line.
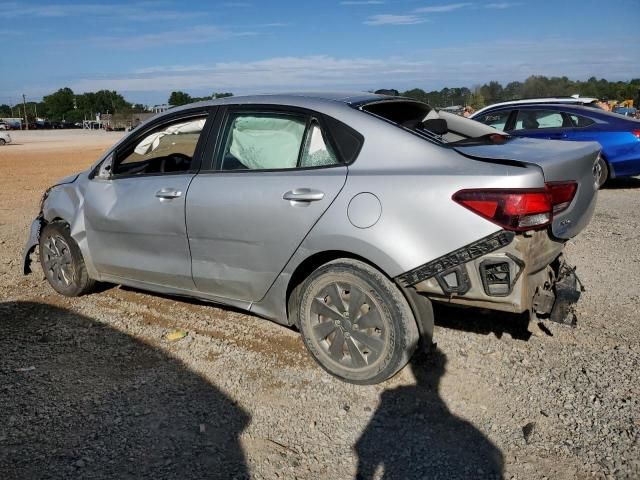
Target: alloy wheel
{"points": [[57, 260]]}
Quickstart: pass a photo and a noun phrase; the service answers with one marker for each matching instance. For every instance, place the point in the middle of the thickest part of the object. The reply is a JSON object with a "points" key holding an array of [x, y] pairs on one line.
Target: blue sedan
{"points": [[619, 136]]}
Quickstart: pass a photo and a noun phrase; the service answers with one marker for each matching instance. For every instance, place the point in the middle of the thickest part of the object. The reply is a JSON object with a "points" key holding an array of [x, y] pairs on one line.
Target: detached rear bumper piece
{"points": [[504, 271], [32, 242]]}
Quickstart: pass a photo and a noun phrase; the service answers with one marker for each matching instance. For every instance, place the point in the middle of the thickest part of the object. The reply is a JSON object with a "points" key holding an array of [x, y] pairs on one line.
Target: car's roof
{"points": [[597, 113], [547, 106], [547, 100], [349, 97]]}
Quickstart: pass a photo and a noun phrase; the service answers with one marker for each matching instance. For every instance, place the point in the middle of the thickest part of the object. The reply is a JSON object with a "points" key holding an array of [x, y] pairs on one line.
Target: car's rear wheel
{"points": [[602, 170], [62, 261], [355, 322], [2, 141]]}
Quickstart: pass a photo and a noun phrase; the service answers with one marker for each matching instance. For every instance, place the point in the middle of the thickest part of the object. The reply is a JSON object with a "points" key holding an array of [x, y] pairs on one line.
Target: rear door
{"points": [[547, 124], [274, 173]]}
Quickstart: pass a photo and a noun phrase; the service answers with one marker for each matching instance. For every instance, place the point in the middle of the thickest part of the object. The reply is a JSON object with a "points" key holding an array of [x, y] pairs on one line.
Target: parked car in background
{"points": [[626, 111], [573, 100], [344, 215], [618, 136], [4, 138]]}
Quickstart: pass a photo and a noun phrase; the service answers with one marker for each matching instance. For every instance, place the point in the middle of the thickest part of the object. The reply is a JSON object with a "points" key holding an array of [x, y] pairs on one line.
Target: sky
{"points": [[146, 49]]}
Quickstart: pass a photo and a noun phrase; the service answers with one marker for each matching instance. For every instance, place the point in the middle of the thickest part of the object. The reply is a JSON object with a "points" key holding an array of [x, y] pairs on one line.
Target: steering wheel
{"points": [[175, 162]]}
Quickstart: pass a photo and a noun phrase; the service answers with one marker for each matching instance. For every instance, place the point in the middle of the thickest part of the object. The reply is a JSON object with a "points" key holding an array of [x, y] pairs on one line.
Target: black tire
{"points": [[2, 141], [355, 322], [62, 261], [603, 166]]}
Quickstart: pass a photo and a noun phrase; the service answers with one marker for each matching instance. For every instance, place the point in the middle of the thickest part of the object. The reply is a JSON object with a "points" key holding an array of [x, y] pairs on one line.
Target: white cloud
{"points": [[134, 11], [385, 19], [442, 8], [186, 36], [362, 2], [464, 65], [501, 5]]}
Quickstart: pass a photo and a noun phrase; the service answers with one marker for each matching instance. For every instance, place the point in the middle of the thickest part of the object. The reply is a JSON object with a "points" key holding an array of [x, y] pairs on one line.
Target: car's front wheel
{"points": [[355, 322], [62, 261]]}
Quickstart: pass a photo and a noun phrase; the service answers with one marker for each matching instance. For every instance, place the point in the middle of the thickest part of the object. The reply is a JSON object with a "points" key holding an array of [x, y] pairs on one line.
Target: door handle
{"points": [[168, 193], [557, 136], [303, 195]]}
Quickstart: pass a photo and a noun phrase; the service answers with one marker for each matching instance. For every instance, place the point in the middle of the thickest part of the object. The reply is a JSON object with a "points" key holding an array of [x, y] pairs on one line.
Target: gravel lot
{"points": [[89, 388]]}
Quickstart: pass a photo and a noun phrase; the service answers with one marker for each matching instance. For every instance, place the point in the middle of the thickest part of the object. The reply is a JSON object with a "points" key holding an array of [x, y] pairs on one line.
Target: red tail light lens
{"points": [[561, 195], [519, 210], [636, 133]]}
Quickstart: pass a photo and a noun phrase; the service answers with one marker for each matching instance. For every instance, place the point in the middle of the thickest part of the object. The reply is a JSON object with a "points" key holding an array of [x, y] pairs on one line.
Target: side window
{"points": [[317, 152], [497, 120], [537, 119], [579, 120], [257, 141], [167, 149]]}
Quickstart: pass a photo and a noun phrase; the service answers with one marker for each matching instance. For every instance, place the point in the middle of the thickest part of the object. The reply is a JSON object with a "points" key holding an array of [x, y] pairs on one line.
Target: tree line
{"points": [[65, 105], [533, 87], [68, 106]]}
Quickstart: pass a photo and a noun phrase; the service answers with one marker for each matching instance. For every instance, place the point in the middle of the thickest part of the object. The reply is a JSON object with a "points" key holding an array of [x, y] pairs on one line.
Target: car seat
{"points": [[530, 122]]}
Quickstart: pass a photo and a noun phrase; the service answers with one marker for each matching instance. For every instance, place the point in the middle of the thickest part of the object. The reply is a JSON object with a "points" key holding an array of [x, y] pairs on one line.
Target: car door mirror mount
{"points": [[105, 170]]}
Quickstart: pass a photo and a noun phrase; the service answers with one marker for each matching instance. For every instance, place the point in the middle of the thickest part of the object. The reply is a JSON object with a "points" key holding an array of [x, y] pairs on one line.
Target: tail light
{"points": [[636, 133], [519, 210]]}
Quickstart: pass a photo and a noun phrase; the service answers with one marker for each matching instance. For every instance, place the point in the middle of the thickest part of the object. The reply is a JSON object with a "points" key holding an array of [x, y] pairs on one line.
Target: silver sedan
{"points": [[345, 215]]}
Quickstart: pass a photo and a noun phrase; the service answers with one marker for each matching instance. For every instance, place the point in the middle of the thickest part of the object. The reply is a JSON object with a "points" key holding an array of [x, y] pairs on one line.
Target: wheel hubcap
{"points": [[347, 325], [58, 262]]}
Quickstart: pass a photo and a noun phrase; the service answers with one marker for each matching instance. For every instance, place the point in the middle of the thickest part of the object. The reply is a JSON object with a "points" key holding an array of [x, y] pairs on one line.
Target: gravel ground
{"points": [[90, 388]]}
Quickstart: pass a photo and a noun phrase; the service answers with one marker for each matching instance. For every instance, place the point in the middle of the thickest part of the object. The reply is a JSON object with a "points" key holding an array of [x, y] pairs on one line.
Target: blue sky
{"points": [[146, 49]]}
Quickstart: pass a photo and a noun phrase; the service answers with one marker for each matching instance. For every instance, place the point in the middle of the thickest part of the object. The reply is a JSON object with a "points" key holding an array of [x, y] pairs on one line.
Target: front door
{"points": [[274, 177], [135, 214]]}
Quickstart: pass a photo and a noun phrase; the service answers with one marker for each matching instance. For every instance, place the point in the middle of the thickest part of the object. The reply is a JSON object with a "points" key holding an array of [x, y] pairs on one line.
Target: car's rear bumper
{"points": [[504, 271]]}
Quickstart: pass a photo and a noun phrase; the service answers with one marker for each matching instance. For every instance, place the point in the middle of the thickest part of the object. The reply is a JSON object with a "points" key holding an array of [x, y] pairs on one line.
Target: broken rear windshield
{"points": [[444, 128]]}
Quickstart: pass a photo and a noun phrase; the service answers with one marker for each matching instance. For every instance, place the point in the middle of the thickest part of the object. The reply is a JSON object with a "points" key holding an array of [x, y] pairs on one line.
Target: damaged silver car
{"points": [[344, 215]]}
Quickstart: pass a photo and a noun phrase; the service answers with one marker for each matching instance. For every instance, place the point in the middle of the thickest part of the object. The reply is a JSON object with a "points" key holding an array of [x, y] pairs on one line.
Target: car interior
{"points": [[272, 141], [169, 149]]}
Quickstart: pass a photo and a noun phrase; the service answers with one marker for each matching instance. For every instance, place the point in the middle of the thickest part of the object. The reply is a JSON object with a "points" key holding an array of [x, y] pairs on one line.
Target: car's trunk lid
{"points": [[560, 162]]}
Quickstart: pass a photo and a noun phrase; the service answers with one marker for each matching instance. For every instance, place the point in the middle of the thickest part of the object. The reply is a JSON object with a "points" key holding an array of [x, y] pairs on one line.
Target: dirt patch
{"points": [[90, 387]]}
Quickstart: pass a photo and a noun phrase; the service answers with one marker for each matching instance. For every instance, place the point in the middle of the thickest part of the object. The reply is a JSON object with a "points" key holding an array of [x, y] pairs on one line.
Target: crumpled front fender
{"points": [[32, 242]]}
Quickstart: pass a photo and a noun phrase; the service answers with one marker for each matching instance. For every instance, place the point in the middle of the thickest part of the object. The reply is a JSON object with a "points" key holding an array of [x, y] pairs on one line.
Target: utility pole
{"points": [[24, 104]]}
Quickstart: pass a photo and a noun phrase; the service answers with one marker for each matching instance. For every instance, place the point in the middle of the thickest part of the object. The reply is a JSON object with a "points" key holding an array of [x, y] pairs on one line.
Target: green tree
{"points": [[179, 98], [417, 94], [58, 104], [492, 93], [477, 100]]}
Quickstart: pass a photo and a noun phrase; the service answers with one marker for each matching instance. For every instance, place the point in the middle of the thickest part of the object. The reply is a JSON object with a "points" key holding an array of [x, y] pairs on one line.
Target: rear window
{"points": [[538, 119], [442, 127], [579, 120], [405, 113]]}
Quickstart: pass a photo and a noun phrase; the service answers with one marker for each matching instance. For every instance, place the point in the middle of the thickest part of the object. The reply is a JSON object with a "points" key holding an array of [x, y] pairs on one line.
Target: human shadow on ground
{"points": [[80, 399], [413, 435], [481, 321]]}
